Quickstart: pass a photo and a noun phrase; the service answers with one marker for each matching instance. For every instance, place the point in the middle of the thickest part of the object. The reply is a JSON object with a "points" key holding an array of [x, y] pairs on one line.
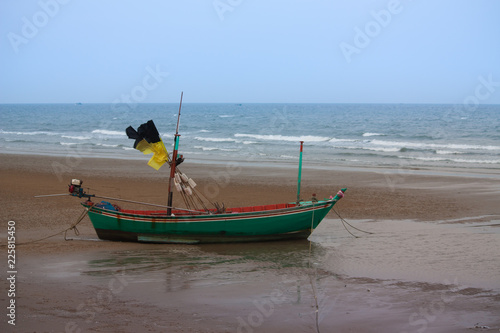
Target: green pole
{"points": [[300, 172]]}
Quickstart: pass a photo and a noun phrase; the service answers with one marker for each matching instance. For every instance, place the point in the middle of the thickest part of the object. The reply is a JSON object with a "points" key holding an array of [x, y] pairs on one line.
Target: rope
{"points": [[344, 222], [195, 194], [311, 276], [348, 230], [72, 227]]}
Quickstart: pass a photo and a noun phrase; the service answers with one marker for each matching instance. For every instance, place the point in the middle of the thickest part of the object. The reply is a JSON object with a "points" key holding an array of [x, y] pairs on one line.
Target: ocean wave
{"points": [[382, 149], [448, 152], [215, 139], [423, 145], [29, 133], [17, 140], [379, 149], [76, 137], [447, 159], [215, 149], [342, 140], [373, 134], [90, 144], [108, 132], [107, 145], [279, 137]]}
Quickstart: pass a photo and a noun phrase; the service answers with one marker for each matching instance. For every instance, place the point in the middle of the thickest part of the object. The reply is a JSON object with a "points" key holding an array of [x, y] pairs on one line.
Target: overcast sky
{"points": [[242, 51]]}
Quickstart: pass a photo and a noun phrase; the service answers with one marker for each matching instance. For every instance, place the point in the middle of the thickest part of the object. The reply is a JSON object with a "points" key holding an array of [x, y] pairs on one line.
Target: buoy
{"points": [[191, 182], [188, 191], [184, 178]]}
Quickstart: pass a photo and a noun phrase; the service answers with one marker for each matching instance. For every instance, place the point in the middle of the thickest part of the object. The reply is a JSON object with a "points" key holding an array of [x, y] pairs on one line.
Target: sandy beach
{"points": [[432, 264]]}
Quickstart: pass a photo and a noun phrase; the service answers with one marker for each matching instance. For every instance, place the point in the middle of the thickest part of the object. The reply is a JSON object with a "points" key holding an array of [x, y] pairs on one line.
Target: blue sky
{"points": [[242, 51]]}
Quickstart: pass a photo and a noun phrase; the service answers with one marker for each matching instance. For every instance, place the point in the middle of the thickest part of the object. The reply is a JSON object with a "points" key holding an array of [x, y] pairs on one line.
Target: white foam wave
{"points": [[416, 145], [214, 148], [456, 160], [279, 137], [382, 149], [448, 152], [87, 144], [108, 132], [106, 145], [215, 139], [334, 140], [76, 137], [373, 134], [29, 133]]}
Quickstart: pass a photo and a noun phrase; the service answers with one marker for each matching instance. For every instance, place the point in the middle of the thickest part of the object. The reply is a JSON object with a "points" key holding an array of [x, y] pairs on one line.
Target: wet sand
{"points": [[431, 265]]}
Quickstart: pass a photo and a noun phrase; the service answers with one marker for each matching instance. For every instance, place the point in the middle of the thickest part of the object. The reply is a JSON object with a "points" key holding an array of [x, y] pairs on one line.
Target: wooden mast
{"points": [[172, 163]]}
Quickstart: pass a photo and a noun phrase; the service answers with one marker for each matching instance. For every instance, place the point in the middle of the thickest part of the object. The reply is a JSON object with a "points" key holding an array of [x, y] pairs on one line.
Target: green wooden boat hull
{"points": [[236, 225]]}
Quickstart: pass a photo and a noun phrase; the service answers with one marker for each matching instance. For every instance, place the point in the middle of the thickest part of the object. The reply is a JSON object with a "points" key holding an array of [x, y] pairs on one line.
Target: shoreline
{"points": [[465, 171], [372, 193]]}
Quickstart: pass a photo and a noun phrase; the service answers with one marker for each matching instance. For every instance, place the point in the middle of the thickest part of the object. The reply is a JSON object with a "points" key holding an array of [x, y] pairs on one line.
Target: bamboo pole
{"points": [[174, 158]]}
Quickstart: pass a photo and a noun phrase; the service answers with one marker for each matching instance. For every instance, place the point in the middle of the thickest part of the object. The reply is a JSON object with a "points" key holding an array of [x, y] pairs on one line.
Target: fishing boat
{"points": [[195, 224], [242, 224]]}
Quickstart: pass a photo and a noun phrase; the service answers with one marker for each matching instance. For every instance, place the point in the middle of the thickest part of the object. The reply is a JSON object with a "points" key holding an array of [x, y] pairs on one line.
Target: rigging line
{"points": [[194, 194], [183, 195], [73, 226], [150, 204], [344, 221], [311, 275], [204, 197], [182, 192], [189, 199], [348, 229]]}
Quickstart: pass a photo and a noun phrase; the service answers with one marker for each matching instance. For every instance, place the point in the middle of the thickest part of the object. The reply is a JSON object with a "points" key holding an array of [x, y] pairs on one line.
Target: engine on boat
{"points": [[75, 188]]}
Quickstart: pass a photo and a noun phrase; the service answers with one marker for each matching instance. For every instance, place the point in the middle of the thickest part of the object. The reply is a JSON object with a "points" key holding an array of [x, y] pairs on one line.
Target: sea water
{"points": [[393, 135]]}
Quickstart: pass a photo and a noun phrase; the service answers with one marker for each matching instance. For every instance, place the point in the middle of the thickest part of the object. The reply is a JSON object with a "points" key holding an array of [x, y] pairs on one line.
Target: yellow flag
{"points": [[160, 154]]}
